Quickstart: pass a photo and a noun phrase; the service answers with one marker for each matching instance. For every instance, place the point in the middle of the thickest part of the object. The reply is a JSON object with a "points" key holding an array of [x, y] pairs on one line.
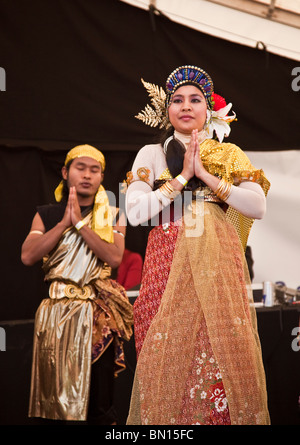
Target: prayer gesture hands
{"points": [[72, 213], [192, 164]]}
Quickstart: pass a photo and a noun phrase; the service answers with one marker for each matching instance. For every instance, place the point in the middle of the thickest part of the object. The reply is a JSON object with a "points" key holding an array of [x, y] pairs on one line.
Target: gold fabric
{"points": [[102, 222], [228, 161], [61, 367], [86, 150], [60, 266], [208, 281], [59, 289], [102, 216], [84, 304]]}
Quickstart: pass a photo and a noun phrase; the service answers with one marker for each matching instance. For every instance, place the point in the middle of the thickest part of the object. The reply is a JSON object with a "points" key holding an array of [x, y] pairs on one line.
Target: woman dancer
{"points": [[199, 355]]}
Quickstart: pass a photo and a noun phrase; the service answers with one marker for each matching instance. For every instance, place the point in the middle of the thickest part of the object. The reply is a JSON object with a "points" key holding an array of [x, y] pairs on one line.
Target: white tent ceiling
{"points": [[272, 24]]}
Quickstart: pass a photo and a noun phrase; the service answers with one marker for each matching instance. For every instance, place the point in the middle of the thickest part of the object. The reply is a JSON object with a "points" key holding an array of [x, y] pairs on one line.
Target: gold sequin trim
{"points": [[166, 174]]}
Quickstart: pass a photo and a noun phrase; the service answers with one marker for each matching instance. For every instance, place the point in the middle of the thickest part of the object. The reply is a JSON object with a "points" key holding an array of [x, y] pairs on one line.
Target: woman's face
{"points": [[187, 111]]}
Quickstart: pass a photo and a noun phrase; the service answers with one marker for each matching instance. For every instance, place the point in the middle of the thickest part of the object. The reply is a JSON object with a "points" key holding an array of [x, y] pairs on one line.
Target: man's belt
{"points": [[58, 290]]}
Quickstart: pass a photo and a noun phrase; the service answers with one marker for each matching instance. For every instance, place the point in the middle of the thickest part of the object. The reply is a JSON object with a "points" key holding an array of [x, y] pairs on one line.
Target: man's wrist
{"points": [[62, 226], [78, 226]]}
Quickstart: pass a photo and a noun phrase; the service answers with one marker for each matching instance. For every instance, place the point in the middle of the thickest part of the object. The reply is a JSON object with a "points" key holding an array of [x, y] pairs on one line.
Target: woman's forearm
{"points": [[142, 204], [247, 198]]}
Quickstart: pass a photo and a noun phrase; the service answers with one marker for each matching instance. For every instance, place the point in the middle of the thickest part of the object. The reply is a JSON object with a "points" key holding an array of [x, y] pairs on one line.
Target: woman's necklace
{"points": [[186, 138]]}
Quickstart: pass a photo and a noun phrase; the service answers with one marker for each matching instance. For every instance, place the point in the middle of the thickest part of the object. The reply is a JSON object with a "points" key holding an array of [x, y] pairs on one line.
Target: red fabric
{"points": [[158, 261], [130, 270]]}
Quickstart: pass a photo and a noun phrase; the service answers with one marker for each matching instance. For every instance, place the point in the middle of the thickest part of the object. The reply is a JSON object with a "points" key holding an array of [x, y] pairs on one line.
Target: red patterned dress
{"points": [[158, 261]]}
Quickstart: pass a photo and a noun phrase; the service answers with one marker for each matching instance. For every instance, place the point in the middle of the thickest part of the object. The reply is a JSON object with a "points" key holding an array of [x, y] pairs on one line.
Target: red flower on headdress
{"points": [[219, 102]]}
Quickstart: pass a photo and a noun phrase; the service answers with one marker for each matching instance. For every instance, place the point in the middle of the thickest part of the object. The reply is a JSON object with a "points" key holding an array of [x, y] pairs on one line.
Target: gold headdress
{"points": [[218, 119], [102, 216], [86, 150], [190, 74], [160, 99]]}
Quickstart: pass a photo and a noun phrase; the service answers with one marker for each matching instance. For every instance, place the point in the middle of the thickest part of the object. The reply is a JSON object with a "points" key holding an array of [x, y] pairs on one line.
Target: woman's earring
{"points": [[208, 116]]}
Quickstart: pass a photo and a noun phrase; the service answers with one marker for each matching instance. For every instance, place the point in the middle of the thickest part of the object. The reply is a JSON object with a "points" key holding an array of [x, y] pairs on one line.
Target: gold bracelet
{"points": [[168, 187], [168, 190], [220, 190], [223, 190]]}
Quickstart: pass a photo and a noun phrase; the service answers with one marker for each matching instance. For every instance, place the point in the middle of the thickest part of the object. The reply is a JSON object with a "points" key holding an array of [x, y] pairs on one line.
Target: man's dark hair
{"points": [[65, 191]]}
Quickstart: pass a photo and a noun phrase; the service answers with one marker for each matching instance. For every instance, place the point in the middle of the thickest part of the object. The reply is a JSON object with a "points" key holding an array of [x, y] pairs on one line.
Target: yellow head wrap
{"points": [[102, 215]]}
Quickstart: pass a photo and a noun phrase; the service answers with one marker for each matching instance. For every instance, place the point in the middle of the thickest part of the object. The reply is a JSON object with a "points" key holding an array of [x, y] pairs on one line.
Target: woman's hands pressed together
{"points": [[248, 198], [192, 164]]}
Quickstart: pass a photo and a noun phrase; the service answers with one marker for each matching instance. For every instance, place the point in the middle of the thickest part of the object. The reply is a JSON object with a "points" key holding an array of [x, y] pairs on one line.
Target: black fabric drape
{"points": [[73, 70]]}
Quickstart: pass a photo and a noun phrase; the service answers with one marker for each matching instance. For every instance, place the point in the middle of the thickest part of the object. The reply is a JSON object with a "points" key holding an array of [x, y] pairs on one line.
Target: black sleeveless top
{"points": [[52, 214]]}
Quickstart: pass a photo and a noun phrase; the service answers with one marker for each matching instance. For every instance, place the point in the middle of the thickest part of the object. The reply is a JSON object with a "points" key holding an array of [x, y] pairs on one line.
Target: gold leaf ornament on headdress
{"points": [[102, 216], [155, 116]]}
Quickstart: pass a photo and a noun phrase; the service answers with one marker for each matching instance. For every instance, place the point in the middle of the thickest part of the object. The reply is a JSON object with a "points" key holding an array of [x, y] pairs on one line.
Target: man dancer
{"points": [[80, 328]]}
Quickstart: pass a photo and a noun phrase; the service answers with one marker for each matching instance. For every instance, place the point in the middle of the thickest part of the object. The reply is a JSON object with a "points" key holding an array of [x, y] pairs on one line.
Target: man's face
{"points": [[85, 174]]}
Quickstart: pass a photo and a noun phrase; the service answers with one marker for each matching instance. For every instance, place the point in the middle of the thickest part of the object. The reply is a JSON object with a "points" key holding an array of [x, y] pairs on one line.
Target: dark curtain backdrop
{"points": [[73, 70]]}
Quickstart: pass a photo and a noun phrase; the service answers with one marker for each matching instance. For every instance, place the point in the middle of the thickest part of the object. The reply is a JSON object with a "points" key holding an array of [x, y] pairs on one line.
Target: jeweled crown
{"points": [[190, 74]]}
